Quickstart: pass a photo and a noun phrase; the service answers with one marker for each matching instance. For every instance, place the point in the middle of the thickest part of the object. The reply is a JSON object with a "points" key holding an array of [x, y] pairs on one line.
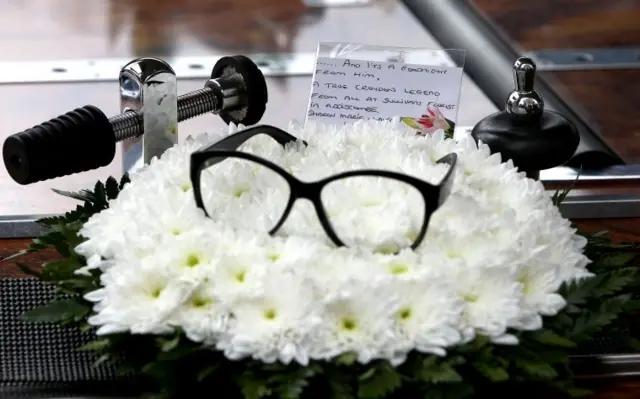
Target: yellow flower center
{"points": [[399, 269], [411, 235], [155, 293], [348, 324], [471, 298], [239, 191], [525, 280], [192, 260], [240, 276], [405, 314], [200, 302], [270, 314]]}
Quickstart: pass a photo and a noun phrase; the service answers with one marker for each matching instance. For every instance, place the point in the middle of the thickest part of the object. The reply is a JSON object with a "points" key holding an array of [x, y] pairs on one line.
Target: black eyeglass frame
{"points": [[433, 195]]}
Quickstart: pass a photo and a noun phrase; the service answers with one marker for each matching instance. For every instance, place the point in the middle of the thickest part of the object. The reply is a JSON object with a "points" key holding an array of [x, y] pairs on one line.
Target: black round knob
{"points": [[531, 137], [254, 85], [80, 140], [548, 143]]}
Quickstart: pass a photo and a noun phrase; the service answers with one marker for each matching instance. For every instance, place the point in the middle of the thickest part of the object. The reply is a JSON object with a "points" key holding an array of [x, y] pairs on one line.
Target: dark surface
{"points": [[61, 391]]}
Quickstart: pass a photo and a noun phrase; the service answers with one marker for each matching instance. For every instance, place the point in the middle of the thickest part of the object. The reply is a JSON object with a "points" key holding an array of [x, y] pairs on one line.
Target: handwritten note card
{"points": [[346, 90]]}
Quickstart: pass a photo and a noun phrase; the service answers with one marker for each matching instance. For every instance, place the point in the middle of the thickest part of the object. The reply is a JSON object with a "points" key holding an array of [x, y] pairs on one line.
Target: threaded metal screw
{"points": [[130, 124]]}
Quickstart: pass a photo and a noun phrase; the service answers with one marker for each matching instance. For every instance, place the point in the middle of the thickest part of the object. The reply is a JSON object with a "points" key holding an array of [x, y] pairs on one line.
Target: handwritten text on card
{"points": [[347, 90]]}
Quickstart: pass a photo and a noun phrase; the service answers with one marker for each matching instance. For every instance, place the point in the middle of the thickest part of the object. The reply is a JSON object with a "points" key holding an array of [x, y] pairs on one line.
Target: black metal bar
{"points": [[458, 24]]}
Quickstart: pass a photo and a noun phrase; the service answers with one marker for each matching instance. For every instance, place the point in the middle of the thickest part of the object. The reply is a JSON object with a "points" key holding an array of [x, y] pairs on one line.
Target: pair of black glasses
{"points": [[387, 209]]}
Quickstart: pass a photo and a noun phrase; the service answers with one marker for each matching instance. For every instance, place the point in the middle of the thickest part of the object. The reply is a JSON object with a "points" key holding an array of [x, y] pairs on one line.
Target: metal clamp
{"points": [[85, 139], [148, 87]]}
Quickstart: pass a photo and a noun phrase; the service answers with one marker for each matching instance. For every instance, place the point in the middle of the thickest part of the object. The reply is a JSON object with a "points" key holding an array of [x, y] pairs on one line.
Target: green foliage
{"points": [[560, 195], [58, 311], [434, 370], [378, 381], [175, 364], [62, 231], [449, 133]]}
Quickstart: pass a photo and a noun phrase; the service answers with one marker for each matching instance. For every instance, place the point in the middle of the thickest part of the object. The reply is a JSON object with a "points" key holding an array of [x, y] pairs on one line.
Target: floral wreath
{"points": [[502, 292]]}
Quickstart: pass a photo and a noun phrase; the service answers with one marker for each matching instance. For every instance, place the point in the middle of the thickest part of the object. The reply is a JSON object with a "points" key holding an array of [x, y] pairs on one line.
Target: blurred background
{"points": [[96, 31]]}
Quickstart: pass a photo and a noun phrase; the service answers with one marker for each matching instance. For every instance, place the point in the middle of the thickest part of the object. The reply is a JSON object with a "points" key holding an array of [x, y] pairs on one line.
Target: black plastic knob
{"points": [[78, 141], [254, 84], [545, 143], [531, 137]]}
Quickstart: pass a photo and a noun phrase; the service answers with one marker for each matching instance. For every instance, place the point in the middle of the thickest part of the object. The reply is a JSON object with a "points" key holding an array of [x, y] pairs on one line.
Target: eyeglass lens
{"points": [[378, 212], [243, 194]]}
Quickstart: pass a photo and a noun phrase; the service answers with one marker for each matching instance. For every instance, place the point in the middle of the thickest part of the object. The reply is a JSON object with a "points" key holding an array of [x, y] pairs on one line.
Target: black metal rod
{"points": [[457, 24]]}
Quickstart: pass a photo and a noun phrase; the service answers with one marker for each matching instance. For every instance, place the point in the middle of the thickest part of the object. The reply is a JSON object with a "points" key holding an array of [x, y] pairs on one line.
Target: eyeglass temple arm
{"points": [[451, 160], [447, 180], [234, 141]]}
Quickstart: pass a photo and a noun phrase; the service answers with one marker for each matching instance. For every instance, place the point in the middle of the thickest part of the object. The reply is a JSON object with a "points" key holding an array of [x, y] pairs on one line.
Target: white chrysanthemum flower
{"points": [[94, 262], [540, 298], [171, 213], [405, 265], [492, 295], [237, 274], [202, 316], [428, 316], [329, 271], [193, 255], [358, 318], [274, 326], [138, 298], [104, 231], [492, 260]]}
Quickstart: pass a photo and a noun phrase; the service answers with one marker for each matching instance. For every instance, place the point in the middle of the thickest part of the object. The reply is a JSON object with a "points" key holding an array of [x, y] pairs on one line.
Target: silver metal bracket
{"points": [[616, 173], [149, 85], [586, 59], [596, 206], [600, 206], [105, 69]]}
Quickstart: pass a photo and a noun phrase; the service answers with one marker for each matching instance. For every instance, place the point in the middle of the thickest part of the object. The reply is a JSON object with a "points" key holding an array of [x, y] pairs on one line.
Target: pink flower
{"points": [[432, 121]]}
